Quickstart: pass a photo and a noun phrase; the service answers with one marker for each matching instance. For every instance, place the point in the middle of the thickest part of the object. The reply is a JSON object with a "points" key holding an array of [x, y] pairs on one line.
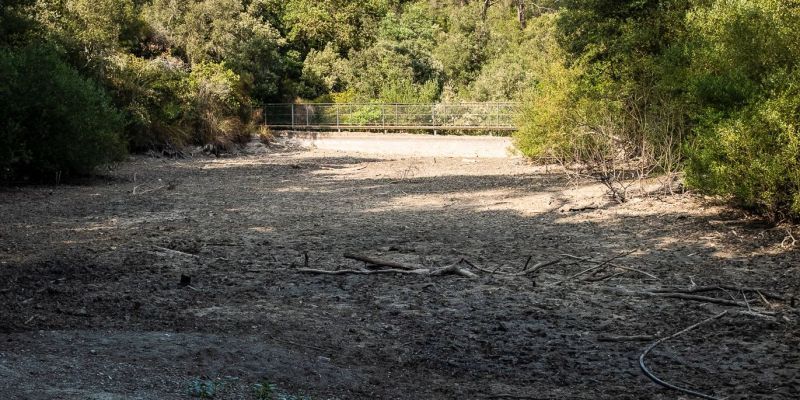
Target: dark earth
{"points": [[163, 274]]}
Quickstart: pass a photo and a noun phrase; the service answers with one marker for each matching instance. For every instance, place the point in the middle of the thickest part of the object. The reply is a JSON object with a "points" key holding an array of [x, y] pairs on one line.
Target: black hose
{"points": [[655, 379]]}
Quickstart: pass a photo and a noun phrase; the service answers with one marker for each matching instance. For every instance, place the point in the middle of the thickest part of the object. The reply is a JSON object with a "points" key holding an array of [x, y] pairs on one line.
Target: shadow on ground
{"points": [[94, 304]]}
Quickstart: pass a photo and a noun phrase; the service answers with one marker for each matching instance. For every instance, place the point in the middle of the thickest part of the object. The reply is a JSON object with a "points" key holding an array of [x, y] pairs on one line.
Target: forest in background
{"points": [[625, 88]]}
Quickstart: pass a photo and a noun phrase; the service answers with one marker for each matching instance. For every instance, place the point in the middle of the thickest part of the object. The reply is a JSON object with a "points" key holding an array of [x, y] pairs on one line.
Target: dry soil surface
{"points": [[93, 306]]}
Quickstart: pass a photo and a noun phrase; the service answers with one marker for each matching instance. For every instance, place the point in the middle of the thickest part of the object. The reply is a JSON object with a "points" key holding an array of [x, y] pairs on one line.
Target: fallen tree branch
{"points": [[658, 381], [465, 261], [453, 269], [602, 278], [612, 264], [682, 296], [694, 297], [421, 271], [637, 270], [700, 289], [599, 266], [571, 277], [377, 262], [175, 252], [147, 191], [525, 271], [634, 338], [450, 269]]}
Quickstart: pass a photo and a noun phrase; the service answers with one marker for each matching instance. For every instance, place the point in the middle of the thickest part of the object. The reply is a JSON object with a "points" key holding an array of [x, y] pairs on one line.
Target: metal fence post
{"points": [[433, 118], [306, 107], [383, 118], [338, 127], [292, 116]]}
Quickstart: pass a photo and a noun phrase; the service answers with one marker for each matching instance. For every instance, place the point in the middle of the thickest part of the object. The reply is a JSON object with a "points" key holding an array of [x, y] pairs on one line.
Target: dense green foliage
{"points": [[169, 73], [746, 83], [39, 133], [643, 85]]}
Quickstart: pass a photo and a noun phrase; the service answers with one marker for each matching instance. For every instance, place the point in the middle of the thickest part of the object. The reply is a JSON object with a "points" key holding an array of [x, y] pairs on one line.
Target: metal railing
{"points": [[442, 116]]}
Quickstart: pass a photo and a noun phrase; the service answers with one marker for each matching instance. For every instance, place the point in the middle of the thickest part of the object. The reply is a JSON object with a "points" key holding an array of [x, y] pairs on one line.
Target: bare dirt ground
{"points": [[93, 306], [398, 144]]}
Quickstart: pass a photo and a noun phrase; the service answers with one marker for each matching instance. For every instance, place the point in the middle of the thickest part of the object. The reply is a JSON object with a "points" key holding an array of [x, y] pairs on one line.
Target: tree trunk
{"points": [[521, 15]]}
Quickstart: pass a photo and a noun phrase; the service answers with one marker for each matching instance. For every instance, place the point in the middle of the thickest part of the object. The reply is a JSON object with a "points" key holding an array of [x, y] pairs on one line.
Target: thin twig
{"points": [[148, 190], [539, 266], [602, 278], [488, 271], [693, 297], [527, 262], [176, 252], [700, 289], [612, 264], [764, 299], [655, 379], [571, 277], [786, 241], [634, 338], [747, 303], [637, 270], [595, 268]]}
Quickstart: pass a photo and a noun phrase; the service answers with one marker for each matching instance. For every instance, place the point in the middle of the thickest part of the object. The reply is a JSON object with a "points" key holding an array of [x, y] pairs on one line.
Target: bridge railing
{"points": [[441, 116]]}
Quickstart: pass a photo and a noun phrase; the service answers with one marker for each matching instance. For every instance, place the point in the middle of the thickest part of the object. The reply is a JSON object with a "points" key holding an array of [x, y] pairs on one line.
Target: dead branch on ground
{"points": [[146, 191], [597, 268], [525, 270], [452, 269], [789, 240], [175, 252], [377, 262], [634, 338], [701, 289], [607, 262], [692, 297]]}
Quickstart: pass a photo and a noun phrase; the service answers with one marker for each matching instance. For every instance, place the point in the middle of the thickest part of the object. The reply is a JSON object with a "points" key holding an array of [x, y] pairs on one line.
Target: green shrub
{"points": [[748, 92], [52, 119], [753, 155], [220, 110], [151, 94]]}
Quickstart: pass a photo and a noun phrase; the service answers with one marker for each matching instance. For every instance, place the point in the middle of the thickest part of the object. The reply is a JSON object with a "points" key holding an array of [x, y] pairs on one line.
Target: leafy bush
{"points": [[754, 156], [152, 94], [219, 107], [53, 120], [748, 92]]}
